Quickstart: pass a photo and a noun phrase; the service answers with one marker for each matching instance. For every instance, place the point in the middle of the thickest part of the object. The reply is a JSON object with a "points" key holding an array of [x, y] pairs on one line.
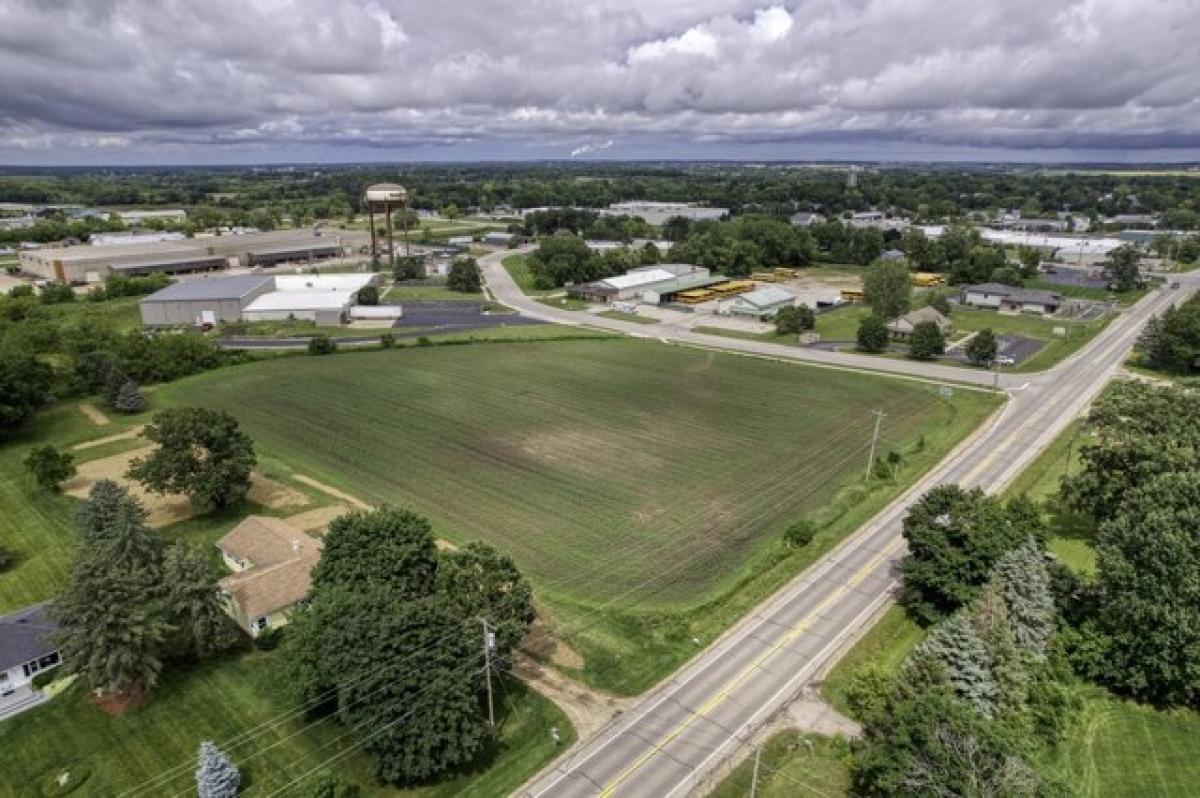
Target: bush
{"points": [[799, 534], [942, 305], [464, 276], [387, 340], [50, 466], [20, 291], [368, 295], [56, 294], [795, 320], [331, 785], [5, 558], [927, 341], [981, 350], [424, 341], [321, 345], [269, 639], [872, 334]]}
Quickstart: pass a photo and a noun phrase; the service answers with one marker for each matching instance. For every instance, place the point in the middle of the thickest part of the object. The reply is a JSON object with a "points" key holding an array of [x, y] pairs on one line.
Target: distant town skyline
{"points": [[134, 82]]}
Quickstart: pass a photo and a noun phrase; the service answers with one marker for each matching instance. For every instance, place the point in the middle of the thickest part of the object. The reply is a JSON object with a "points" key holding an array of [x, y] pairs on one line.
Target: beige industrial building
{"points": [[92, 264]]}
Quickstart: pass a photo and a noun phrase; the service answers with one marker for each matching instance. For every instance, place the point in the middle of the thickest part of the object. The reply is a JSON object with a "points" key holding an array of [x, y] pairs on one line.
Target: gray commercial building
{"points": [[215, 299]]}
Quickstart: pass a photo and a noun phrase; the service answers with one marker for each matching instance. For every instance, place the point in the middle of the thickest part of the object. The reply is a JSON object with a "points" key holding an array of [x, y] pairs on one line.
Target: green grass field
{"points": [[518, 269], [426, 292], [220, 700], [628, 476], [793, 765]]}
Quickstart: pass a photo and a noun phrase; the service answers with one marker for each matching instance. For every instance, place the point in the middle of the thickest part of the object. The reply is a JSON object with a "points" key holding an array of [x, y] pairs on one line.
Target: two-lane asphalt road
{"points": [[666, 744]]}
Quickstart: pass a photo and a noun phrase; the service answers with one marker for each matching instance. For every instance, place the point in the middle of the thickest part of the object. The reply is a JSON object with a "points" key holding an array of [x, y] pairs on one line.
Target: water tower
{"points": [[386, 197]]}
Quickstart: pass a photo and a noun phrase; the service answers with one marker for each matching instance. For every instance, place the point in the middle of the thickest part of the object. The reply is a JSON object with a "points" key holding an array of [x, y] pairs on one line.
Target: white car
{"points": [[1004, 360]]}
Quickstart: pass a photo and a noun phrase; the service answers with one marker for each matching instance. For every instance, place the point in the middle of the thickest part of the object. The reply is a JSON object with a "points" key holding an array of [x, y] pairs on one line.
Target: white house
{"points": [[26, 649]]}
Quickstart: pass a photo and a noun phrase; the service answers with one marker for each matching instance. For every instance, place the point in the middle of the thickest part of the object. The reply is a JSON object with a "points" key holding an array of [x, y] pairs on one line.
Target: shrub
{"points": [[794, 320], [424, 341], [927, 341], [331, 785], [5, 558], [368, 295], [56, 294], [50, 466], [799, 534], [387, 340], [321, 345], [872, 334]]}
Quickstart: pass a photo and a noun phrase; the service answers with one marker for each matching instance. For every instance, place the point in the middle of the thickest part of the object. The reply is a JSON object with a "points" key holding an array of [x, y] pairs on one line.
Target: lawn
{"points": [[290, 328], [622, 316], [239, 697], [518, 268], [36, 526], [793, 764], [885, 645], [639, 485], [1117, 748], [401, 292], [1072, 534]]}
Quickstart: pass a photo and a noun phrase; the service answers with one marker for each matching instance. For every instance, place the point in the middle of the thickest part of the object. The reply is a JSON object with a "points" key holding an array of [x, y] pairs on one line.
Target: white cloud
{"points": [[334, 73], [590, 148]]}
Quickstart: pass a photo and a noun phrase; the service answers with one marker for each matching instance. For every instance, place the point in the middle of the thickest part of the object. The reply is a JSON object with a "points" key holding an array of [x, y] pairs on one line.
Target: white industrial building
{"points": [[657, 213], [116, 239], [326, 308], [636, 282], [137, 217]]}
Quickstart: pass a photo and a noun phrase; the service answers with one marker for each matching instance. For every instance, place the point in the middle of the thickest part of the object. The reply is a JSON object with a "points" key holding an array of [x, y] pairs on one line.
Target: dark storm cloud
{"points": [[557, 77]]}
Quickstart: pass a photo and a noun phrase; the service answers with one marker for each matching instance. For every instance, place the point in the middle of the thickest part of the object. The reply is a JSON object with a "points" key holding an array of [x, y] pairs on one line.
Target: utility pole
{"points": [[996, 373], [754, 778], [489, 643], [879, 414]]}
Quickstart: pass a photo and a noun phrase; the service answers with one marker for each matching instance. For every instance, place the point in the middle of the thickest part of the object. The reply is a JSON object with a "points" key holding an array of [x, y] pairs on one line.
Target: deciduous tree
{"points": [[201, 453]]}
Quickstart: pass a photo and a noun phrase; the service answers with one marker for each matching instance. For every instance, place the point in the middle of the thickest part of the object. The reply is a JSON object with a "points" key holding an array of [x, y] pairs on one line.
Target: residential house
{"points": [[902, 328], [272, 562], [27, 648], [1010, 298]]}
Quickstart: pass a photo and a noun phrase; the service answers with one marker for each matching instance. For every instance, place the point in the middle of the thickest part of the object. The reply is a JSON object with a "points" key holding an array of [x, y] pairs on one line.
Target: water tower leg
{"points": [[374, 244]]}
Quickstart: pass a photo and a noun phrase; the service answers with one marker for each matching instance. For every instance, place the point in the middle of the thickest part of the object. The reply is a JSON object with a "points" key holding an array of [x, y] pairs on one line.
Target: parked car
{"points": [[1005, 360]]}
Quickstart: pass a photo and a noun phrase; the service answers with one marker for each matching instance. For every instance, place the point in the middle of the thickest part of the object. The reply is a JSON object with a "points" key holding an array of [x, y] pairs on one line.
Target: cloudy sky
{"points": [[250, 81]]}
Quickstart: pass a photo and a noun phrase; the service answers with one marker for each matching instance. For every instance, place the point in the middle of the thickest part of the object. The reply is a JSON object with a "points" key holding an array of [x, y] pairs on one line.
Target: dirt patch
{"points": [[583, 450], [163, 510], [316, 519], [445, 545], [93, 414], [541, 643], [118, 703], [587, 709], [269, 493], [127, 435], [355, 502]]}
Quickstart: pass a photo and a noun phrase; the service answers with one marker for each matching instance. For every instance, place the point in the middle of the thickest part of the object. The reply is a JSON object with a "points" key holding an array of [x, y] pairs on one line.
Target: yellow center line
{"points": [[727, 689]]}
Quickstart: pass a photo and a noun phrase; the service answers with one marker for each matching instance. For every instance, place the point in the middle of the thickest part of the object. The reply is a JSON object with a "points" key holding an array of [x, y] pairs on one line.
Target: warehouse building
{"points": [[265, 256], [1008, 298], [759, 303], [138, 217], [635, 282], [324, 299], [207, 301], [88, 264]]}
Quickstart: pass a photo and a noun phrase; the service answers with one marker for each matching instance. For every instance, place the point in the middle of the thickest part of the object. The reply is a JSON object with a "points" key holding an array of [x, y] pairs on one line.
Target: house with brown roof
{"points": [[272, 562], [903, 327]]}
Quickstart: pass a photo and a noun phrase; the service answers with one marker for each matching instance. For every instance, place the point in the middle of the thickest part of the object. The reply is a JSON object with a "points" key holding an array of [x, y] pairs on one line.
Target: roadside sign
{"points": [[946, 391]]}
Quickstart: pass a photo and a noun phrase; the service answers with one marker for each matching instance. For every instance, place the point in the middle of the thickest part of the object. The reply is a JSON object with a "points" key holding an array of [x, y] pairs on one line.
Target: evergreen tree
{"points": [[992, 622], [1024, 581], [216, 775], [112, 622], [194, 605], [955, 644], [114, 381], [130, 399]]}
